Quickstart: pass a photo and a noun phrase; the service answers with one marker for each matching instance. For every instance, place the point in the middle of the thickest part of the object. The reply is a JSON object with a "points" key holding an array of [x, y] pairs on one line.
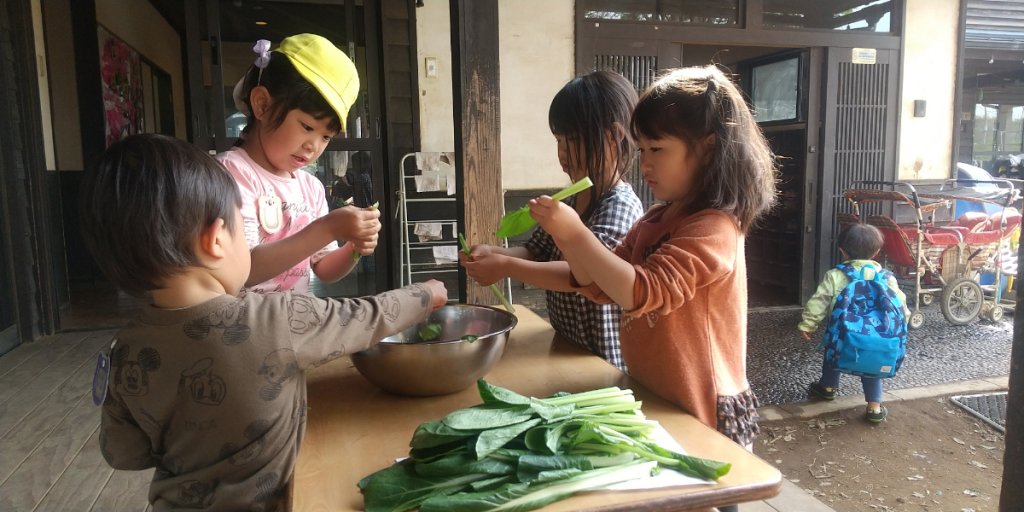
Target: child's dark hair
{"points": [[861, 241], [587, 110], [692, 103], [144, 205], [289, 91]]}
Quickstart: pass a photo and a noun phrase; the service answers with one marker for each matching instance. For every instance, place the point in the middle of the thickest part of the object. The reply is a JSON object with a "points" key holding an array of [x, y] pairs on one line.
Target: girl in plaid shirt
{"points": [[589, 118]]}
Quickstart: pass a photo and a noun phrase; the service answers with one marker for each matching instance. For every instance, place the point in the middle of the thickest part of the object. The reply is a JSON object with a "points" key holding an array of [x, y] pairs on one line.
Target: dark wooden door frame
{"points": [[28, 213]]}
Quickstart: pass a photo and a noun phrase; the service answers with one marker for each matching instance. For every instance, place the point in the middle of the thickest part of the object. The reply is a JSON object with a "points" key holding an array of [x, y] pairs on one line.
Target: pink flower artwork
{"points": [[121, 76]]}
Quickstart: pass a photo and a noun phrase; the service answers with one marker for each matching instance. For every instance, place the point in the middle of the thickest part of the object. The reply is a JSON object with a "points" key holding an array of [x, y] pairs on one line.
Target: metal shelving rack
{"points": [[414, 266]]}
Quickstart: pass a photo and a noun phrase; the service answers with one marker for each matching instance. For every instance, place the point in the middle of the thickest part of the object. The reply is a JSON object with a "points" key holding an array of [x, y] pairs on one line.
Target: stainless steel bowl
{"points": [[406, 365]]}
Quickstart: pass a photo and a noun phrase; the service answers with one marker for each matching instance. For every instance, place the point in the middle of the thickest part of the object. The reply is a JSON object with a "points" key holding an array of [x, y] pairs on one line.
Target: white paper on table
{"points": [[446, 253], [666, 477]]}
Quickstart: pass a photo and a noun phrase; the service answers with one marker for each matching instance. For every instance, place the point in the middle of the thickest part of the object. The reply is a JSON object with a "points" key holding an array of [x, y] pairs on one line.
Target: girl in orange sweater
{"points": [[680, 274]]}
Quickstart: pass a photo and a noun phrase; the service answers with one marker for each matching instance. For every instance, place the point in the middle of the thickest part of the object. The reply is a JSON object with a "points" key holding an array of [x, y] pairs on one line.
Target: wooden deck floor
{"points": [[49, 432]]}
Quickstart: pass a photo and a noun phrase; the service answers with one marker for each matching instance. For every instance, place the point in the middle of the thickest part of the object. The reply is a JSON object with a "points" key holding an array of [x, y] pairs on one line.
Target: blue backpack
{"points": [[867, 332]]}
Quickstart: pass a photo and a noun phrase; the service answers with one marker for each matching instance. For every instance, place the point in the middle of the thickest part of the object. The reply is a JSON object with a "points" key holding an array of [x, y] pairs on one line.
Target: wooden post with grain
{"points": [[477, 126]]}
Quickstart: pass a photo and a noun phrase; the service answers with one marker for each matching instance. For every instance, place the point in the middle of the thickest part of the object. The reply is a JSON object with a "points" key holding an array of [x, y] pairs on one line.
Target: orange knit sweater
{"points": [[686, 338]]}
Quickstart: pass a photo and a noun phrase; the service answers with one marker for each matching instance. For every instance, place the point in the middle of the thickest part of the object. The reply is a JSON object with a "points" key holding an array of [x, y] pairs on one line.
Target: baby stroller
{"points": [[942, 258], [987, 237]]}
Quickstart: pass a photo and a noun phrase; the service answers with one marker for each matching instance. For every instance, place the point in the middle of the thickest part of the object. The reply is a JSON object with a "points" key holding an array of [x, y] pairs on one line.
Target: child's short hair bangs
{"points": [[672, 107], [306, 98], [146, 202]]}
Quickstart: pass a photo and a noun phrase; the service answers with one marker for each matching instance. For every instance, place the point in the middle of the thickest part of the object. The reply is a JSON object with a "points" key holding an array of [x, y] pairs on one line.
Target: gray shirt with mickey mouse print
{"points": [[214, 396]]}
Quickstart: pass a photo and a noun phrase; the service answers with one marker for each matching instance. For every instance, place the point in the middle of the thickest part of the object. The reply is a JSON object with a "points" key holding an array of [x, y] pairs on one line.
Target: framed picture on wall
{"points": [[121, 77]]}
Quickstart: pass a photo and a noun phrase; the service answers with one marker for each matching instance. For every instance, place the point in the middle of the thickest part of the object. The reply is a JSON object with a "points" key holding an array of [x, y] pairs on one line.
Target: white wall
{"points": [[536, 58], [437, 128], [142, 27], [929, 73]]}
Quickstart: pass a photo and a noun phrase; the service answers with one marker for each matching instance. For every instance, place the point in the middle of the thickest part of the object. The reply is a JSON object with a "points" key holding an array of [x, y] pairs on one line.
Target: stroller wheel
{"points": [[927, 299], [916, 320], [996, 313], [962, 299]]}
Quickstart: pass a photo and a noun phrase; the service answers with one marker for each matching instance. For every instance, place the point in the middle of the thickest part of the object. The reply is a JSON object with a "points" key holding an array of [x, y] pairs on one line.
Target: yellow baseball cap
{"points": [[325, 67]]}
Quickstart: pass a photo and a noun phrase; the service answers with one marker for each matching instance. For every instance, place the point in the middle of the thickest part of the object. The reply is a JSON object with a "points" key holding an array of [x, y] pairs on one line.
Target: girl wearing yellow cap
{"points": [[296, 98]]}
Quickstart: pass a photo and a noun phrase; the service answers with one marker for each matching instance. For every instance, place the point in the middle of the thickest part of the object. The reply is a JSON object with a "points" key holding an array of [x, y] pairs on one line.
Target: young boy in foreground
{"points": [[207, 387]]}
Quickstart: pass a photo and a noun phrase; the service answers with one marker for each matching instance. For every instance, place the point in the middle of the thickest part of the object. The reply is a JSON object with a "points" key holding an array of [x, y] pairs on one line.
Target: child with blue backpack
{"points": [[859, 244]]}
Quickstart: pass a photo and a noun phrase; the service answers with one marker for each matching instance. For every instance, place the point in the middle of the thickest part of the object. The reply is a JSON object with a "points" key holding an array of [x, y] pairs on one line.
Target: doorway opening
{"points": [[776, 83]]}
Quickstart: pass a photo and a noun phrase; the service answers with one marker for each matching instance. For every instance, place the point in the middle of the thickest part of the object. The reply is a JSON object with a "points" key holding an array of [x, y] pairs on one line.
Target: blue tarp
{"points": [[970, 172]]}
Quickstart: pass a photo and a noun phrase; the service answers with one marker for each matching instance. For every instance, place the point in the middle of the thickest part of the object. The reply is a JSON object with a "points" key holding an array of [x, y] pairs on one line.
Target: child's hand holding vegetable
{"points": [[557, 218], [363, 249], [483, 264], [438, 293], [351, 224]]}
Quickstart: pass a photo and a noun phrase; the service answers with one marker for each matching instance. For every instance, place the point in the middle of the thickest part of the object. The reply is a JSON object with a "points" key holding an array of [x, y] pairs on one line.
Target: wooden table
{"points": [[355, 429]]}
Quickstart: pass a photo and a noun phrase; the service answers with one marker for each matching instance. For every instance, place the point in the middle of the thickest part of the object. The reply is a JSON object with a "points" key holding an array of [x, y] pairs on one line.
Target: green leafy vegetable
{"points": [[429, 332], [494, 288], [518, 453], [525, 496], [519, 221]]}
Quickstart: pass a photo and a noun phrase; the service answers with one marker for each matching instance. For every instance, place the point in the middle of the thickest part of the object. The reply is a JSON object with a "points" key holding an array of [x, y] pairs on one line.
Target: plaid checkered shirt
{"points": [[594, 326]]}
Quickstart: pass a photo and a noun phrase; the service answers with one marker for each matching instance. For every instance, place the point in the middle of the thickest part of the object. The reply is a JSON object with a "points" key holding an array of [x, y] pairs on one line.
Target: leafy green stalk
{"points": [[436, 433], [610, 408], [482, 417], [521, 497], [398, 488], [494, 287], [514, 452], [520, 221], [598, 438], [462, 463], [492, 439], [584, 398]]}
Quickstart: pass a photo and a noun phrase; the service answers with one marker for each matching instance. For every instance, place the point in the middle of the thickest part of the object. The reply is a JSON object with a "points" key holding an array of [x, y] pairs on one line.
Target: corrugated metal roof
{"points": [[995, 24]]}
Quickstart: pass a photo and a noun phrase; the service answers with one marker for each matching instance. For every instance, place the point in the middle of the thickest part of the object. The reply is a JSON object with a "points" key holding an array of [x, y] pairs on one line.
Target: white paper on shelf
{"points": [[427, 231], [428, 161], [430, 182], [446, 253]]}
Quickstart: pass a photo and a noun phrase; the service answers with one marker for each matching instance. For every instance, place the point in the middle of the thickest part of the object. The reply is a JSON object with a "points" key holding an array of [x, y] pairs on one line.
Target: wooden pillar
{"points": [[474, 29], [1011, 496]]}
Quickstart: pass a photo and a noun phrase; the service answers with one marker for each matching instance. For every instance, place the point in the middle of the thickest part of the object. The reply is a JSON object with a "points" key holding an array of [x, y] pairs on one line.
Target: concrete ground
{"points": [[941, 359]]}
